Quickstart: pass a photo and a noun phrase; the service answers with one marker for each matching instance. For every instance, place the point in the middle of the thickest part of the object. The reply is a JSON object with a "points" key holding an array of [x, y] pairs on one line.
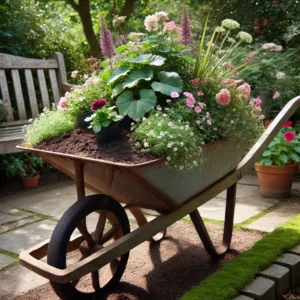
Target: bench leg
{"points": [[228, 225]]}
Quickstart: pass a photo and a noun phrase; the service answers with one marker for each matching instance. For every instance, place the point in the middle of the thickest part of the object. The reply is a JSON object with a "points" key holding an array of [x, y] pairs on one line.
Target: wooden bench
{"points": [[44, 82]]}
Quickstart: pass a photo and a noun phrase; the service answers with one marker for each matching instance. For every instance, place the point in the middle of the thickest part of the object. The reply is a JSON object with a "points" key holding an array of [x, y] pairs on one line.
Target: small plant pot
{"points": [[80, 123], [276, 182], [31, 182], [108, 133]]}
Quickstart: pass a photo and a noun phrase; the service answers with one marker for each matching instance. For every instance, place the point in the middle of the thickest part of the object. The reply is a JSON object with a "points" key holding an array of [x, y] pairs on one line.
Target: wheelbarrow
{"points": [[81, 249]]}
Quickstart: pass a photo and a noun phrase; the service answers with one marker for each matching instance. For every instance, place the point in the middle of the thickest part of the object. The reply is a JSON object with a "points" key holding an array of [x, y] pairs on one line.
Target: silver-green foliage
{"points": [[50, 123]]}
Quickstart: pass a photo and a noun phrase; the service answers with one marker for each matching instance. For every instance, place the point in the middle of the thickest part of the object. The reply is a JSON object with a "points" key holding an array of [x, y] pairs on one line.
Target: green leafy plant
{"points": [[284, 149], [103, 117], [21, 165]]}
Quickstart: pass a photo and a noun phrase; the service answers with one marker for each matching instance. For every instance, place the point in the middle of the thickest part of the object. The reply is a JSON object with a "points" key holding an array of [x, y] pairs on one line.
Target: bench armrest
{"points": [[67, 87]]}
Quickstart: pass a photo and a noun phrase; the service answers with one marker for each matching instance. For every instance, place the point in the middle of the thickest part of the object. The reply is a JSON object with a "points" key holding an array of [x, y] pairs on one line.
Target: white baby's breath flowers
{"points": [[175, 149], [168, 158], [230, 24], [245, 37], [118, 20], [146, 145]]}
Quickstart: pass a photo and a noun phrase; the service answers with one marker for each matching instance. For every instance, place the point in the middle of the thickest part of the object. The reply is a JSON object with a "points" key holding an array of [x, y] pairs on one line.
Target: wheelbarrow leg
{"points": [[228, 225]]}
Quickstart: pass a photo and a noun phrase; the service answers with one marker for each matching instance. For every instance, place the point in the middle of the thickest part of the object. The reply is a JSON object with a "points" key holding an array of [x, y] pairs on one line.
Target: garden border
{"points": [[234, 276]]}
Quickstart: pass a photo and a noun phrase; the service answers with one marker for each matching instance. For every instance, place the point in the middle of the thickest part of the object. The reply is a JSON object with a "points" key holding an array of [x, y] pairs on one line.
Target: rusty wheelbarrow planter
{"points": [[174, 194]]}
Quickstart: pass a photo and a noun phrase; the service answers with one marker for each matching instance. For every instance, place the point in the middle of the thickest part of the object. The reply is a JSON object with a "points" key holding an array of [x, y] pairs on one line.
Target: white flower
{"points": [[30, 120], [158, 107], [162, 133], [245, 36], [151, 132], [149, 123], [137, 144], [81, 99], [231, 40], [187, 126], [181, 167], [231, 122], [195, 162], [280, 75], [164, 115], [192, 133], [181, 144], [45, 108], [168, 158], [159, 124], [146, 145], [219, 29], [51, 123], [230, 24], [171, 136], [171, 124], [170, 145]]}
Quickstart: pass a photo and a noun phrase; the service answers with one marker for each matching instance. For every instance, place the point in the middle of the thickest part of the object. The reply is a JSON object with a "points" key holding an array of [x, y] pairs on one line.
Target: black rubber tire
{"points": [[61, 235]]}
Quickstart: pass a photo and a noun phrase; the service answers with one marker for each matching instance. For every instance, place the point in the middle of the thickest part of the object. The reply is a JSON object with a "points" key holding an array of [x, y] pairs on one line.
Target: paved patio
{"points": [[29, 217]]}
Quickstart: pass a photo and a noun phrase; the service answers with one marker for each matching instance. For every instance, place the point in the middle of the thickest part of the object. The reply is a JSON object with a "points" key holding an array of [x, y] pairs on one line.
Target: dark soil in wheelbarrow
{"points": [[83, 142], [166, 270]]}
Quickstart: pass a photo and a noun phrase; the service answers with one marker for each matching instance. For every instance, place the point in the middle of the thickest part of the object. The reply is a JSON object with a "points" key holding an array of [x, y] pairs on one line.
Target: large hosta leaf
{"points": [[169, 82], [118, 89], [136, 75], [152, 60], [136, 109], [121, 71]]}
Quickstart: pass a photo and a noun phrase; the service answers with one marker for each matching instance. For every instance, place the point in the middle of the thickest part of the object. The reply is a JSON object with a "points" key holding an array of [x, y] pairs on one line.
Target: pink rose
{"points": [[261, 117], [198, 109], [276, 95], [258, 102], [74, 74], [190, 102], [174, 95], [200, 93], [62, 103], [223, 97], [195, 81], [208, 122], [244, 90]]}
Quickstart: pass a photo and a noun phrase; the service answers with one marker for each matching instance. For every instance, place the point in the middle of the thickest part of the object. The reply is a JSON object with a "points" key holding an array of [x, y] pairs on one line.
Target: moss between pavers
{"points": [[233, 276]]}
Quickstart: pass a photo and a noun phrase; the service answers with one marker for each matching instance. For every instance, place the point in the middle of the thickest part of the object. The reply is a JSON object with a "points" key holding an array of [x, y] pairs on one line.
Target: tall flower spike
{"points": [[106, 41], [186, 34]]}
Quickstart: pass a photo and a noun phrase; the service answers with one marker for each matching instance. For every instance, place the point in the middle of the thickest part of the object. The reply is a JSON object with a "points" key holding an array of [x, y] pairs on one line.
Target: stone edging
{"points": [[276, 280]]}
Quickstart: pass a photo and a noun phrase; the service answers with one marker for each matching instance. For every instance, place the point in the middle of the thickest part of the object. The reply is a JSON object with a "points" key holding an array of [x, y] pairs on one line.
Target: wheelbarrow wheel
{"points": [[96, 221]]}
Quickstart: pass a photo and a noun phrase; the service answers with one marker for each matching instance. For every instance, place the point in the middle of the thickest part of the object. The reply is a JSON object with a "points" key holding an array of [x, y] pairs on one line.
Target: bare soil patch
{"points": [[168, 269]]}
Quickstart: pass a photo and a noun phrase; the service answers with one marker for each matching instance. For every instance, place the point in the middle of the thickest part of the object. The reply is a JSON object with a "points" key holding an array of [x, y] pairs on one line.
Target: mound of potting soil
{"points": [[83, 142]]}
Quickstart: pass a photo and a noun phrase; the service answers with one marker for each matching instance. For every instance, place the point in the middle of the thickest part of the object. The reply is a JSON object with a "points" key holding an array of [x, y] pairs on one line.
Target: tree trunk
{"points": [[83, 9], [128, 8]]}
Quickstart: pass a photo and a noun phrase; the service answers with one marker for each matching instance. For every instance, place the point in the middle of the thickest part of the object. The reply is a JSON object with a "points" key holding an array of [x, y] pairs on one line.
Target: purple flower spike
{"points": [[106, 41], [186, 34]]}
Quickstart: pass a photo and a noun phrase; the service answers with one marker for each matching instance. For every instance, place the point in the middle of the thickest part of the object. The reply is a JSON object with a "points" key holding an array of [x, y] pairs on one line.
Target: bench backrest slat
{"points": [[31, 93], [43, 88], [54, 86], [16, 62], [5, 93], [19, 94]]}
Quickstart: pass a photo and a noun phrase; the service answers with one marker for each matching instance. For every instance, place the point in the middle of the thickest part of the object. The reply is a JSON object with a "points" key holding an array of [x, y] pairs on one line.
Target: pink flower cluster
{"points": [[190, 100], [74, 74], [276, 95], [172, 27], [62, 104], [244, 90], [256, 108], [223, 97]]}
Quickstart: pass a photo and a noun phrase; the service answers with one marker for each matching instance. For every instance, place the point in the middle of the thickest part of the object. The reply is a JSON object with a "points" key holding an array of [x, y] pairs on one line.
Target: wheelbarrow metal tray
{"points": [[150, 185]]}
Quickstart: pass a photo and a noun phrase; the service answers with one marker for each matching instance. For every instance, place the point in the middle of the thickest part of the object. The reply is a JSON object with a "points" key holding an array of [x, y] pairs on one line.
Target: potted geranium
{"points": [[24, 165], [104, 121], [279, 163]]}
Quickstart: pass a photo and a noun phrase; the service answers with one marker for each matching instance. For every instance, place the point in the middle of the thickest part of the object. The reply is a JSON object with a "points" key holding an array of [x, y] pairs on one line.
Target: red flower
{"points": [[98, 104], [288, 124], [268, 124], [289, 136]]}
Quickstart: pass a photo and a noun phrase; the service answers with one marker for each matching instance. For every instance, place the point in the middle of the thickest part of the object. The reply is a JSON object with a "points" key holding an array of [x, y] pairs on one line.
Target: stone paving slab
{"points": [[17, 223], [5, 260], [9, 209], [5, 218], [242, 191], [277, 217], [17, 281], [26, 237], [245, 208], [51, 202]]}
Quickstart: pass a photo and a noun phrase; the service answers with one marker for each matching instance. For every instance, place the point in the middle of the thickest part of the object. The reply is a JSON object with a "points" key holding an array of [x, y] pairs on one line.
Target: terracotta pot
{"points": [[31, 182], [108, 133], [275, 182]]}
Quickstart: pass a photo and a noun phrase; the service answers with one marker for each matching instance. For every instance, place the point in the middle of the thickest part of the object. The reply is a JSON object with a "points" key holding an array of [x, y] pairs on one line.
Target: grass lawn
{"points": [[232, 277]]}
